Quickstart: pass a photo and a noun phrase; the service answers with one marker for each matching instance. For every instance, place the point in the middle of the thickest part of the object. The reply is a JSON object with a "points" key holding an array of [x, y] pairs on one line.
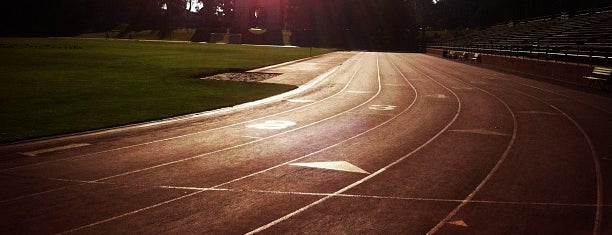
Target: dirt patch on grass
{"points": [[242, 77]]}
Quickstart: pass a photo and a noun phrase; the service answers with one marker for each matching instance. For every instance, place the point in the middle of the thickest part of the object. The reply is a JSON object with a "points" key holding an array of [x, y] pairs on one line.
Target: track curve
{"points": [[387, 143]]}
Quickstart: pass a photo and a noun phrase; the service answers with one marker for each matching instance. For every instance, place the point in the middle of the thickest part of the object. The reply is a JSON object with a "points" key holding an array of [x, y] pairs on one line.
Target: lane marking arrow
{"points": [[335, 165], [458, 223]]}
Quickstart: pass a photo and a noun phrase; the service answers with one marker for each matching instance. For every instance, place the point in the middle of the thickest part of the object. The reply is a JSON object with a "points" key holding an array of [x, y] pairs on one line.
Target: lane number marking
{"points": [[272, 125], [384, 107]]}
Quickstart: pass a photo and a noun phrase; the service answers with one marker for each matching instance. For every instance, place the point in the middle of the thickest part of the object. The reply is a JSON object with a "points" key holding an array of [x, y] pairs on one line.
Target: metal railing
{"points": [[580, 54]]}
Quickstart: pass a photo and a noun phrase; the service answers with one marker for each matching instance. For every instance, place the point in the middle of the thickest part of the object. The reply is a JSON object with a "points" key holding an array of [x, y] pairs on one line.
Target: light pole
{"points": [[309, 42]]}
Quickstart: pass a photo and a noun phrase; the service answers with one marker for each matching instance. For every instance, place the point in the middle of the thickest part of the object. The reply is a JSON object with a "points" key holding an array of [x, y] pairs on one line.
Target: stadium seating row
{"points": [[585, 37]]}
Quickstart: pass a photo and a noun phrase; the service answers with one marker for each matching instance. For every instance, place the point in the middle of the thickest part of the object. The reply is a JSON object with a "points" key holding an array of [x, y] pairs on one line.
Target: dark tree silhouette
{"points": [[367, 24]]}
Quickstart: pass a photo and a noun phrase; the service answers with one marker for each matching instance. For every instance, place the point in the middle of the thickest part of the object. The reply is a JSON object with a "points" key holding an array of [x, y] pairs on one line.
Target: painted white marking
{"points": [[599, 175], [336, 166], [398, 85], [538, 112], [300, 101], [272, 125], [410, 198], [463, 88], [438, 96], [480, 131], [251, 137], [32, 195], [54, 149], [384, 107], [360, 92], [495, 168], [458, 223]]}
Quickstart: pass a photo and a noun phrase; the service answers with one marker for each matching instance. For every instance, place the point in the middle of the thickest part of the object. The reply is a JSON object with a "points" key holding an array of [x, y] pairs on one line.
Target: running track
{"points": [[419, 145]]}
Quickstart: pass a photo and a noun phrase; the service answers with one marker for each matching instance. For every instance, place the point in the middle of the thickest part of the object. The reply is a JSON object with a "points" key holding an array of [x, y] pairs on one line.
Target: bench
{"points": [[475, 58], [599, 77]]}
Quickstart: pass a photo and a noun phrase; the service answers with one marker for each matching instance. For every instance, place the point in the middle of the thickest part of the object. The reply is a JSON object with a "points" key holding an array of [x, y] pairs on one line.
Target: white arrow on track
{"points": [[334, 165]]}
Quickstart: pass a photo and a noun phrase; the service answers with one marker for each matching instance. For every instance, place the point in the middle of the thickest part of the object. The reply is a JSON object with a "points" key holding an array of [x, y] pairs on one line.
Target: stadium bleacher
{"points": [[582, 37]]}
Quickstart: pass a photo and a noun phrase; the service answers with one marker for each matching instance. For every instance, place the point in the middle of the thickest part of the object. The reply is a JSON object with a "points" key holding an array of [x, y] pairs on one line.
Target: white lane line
{"points": [[382, 107], [360, 113], [33, 194], [266, 226], [495, 168], [252, 137], [481, 132], [321, 77], [596, 163], [514, 203], [598, 213], [272, 125], [396, 85], [130, 213], [537, 112], [300, 101], [54, 149]]}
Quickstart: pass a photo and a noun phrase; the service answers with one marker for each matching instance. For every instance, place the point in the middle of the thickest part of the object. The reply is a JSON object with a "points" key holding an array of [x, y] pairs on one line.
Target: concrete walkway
{"points": [[301, 71]]}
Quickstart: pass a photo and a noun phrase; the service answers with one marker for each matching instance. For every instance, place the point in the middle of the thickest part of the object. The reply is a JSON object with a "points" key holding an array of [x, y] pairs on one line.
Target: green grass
{"points": [[58, 86]]}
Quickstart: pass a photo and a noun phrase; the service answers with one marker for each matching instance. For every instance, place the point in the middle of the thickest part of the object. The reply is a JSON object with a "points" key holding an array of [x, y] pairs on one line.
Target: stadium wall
{"points": [[560, 71]]}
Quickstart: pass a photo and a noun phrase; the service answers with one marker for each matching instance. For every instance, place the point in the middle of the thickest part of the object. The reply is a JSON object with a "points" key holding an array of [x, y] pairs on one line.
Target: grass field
{"points": [[58, 86]]}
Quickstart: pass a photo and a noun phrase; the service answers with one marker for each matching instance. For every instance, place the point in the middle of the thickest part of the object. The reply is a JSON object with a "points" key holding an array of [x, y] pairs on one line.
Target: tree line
{"points": [[368, 24]]}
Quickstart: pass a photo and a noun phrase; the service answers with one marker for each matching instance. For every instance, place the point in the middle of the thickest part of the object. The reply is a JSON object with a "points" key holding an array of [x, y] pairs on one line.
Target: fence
{"points": [[591, 55]]}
